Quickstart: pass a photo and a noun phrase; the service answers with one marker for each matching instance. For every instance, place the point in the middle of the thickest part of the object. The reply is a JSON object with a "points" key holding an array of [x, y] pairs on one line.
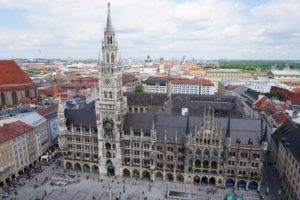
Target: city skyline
{"points": [[229, 29]]}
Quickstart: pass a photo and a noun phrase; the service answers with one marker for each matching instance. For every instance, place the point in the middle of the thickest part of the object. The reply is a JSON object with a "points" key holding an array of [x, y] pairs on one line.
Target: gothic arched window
{"points": [[215, 153], [198, 152], [3, 98], [107, 57], [105, 94], [14, 97], [26, 93], [112, 58], [206, 152], [110, 39], [110, 94]]}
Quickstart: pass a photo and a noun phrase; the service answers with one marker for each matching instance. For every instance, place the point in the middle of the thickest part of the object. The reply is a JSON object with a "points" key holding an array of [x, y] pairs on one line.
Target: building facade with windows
{"points": [[206, 145], [192, 86]]}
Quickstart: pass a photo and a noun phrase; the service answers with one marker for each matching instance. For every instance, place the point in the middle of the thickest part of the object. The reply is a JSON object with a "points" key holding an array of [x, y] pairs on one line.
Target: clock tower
{"points": [[111, 105]]}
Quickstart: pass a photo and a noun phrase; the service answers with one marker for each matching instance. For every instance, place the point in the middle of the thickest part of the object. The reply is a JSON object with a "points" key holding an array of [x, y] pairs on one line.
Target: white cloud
{"points": [[195, 28]]}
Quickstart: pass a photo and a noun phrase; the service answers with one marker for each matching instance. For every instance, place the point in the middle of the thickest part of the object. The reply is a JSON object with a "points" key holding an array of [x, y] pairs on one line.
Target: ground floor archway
{"points": [[110, 170], [86, 168], [69, 166], [170, 177], [204, 180], [253, 185], [146, 175], [196, 180], [241, 184], [126, 173], [136, 174], [77, 167], [179, 178], [95, 169], [230, 183], [159, 176], [212, 181]]}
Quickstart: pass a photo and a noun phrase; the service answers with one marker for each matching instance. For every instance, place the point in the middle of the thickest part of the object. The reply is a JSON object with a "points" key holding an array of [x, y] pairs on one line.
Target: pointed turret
{"points": [[109, 27], [169, 92], [264, 137], [228, 128], [187, 128]]}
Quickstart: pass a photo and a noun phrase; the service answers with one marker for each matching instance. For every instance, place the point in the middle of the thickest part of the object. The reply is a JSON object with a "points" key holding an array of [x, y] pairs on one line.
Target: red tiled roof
{"points": [[129, 79], [11, 73], [258, 103], [28, 100], [284, 106], [14, 129], [280, 117], [47, 110], [232, 87], [192, 81]]}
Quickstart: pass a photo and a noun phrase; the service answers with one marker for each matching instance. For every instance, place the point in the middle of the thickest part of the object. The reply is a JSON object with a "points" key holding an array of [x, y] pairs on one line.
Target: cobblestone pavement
{"points": [[134, 190]]}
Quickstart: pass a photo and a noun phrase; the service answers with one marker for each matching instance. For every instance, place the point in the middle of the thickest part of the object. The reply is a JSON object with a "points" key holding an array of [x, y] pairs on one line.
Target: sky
{"points": [[199, 29]]}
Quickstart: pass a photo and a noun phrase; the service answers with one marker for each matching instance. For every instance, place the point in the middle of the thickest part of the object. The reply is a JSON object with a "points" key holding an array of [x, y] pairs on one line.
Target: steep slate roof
{"points": [[286, 128], [85, 116], [170, 125], [138, 121], [155, 80], [198, 103], [252, 94], [145, 99], [292, 143]]}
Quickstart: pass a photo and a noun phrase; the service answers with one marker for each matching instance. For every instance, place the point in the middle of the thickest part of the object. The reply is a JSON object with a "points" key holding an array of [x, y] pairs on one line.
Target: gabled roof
{"points": [[280, 117], [48, 111], [11, 73], [292, 141], [192, 81], [139, 121], [13, 129], [286, 128], [145, 99]]}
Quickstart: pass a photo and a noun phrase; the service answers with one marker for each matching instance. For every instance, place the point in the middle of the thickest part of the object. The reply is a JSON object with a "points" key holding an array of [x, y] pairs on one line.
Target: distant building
{"points": [[225, 87], [192, 86], [155, 85], [216, 75], [129, 82], [285, 75], [293, 97], [14, 83]]}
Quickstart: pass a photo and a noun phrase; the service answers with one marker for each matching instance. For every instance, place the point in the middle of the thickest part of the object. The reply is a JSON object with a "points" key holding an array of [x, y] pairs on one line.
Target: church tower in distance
{"points": [[111, 105]]}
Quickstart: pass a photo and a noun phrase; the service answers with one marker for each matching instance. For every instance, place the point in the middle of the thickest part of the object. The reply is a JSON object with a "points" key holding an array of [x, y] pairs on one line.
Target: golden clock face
{"points": [[107, 81]]}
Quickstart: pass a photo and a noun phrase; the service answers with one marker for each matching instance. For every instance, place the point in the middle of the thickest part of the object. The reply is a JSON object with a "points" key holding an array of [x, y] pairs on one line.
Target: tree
{"points": [[277, 95], [139, 88]]}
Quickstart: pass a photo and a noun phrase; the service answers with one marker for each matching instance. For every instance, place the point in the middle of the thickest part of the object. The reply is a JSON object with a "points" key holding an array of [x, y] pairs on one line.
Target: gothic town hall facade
{"points": [[148, 136]]}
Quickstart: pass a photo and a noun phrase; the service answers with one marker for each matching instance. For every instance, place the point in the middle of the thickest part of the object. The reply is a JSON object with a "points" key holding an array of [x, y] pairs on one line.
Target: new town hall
{"points": [[187, 138]]}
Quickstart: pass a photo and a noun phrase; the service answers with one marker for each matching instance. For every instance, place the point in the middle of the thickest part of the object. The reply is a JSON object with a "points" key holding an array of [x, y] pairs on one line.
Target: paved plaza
{"points": [[93, 188]]}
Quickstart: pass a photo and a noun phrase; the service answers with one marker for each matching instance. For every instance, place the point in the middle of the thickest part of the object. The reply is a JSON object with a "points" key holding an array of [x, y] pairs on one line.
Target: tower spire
{"points": [[228, 128], [108, 23]]}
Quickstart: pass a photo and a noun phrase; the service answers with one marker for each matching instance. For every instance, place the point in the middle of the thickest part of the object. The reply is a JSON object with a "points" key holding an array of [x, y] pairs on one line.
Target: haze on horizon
{"points": [[200, 29]]}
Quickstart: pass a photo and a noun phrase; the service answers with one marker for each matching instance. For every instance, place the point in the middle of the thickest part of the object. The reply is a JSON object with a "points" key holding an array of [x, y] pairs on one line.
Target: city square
{"points": [[92, 187]]}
